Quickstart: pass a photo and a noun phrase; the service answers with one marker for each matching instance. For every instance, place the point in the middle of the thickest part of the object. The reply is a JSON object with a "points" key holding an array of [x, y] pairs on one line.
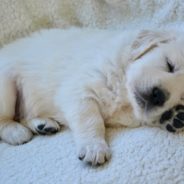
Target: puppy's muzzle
{"points": [[156, 97]]}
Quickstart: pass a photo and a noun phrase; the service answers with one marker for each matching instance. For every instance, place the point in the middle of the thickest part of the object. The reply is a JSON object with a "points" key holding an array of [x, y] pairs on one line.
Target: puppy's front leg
{"points": [[89, 133]]}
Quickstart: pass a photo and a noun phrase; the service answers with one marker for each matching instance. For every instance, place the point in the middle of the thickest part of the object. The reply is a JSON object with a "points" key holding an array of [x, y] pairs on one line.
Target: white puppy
{"points": [[83, 78]]}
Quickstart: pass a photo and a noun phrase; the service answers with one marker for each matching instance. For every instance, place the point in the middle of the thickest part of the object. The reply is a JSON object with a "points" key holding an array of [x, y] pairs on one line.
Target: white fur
{"points": [[15, 133], [77, 78]]}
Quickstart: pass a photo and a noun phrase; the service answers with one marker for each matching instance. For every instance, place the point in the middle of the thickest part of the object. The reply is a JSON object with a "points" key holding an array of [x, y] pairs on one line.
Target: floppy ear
{"points": [[147, 40]]}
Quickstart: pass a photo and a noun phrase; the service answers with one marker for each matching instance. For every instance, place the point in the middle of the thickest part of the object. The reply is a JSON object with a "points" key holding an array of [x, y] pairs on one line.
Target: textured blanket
{"points": [[141, 155]]}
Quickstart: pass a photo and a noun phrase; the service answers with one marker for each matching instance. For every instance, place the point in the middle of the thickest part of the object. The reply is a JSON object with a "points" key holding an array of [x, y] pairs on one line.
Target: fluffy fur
{"points": [[83, 79]]}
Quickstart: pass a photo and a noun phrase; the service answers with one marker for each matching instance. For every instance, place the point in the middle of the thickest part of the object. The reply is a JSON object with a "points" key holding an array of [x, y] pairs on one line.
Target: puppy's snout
{"points": [[157, 97]]}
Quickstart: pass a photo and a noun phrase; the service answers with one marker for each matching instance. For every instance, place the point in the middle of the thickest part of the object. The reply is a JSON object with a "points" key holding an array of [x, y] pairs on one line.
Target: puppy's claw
{"points": [[81, 157], [95, 153]]}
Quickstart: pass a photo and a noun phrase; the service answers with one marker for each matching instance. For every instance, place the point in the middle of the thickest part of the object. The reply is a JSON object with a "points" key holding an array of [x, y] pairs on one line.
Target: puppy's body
{"points": [[77, 78], [74, 77], [53, 68]]}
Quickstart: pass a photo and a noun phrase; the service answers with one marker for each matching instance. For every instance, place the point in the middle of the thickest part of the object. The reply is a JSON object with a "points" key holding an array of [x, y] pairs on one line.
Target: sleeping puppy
{"points": [[85, 79]]}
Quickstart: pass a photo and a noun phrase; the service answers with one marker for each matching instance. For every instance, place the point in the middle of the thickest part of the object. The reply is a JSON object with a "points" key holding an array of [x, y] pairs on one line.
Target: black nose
{"points": [[157, 97]]}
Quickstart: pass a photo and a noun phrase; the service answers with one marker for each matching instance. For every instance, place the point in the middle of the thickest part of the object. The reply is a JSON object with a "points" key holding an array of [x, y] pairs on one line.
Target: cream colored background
{"points": [[20, 17]]}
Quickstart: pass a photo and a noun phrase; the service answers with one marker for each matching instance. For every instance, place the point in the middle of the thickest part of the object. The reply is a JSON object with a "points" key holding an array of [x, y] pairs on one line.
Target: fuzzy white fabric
{"points": [[142, 155], [20, 17]]}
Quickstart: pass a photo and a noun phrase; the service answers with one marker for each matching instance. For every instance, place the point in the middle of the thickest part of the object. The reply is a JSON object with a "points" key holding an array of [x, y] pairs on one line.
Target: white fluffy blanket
{"points": [[142, 155]]}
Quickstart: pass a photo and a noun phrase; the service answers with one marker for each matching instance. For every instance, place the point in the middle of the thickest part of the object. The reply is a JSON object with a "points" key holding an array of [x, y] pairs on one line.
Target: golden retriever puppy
{"points": [[85, 79]]}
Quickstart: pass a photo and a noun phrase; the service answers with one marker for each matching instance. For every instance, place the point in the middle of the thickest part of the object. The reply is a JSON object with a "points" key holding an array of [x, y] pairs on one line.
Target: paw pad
{"points": [[170, 128], [166, 116], [177, 123], [46, 129], [43, 130], [179, 107], [40, 127], [173, 119]]}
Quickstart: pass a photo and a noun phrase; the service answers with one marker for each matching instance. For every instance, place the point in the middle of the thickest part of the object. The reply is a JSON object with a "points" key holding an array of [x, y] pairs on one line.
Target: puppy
{"points": [[85, 79]]}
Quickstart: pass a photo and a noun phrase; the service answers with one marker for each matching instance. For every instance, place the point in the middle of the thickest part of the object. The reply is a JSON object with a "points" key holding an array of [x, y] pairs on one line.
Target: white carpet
{"points": [[142, 155]]}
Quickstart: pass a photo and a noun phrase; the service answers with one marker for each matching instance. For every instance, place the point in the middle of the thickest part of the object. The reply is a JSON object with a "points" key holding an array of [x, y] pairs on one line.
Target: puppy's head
{"points": [[155, 77]]}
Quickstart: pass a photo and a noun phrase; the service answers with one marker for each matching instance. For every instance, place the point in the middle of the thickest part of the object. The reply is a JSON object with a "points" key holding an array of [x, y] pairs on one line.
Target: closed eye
{"points": [[170, 66]]}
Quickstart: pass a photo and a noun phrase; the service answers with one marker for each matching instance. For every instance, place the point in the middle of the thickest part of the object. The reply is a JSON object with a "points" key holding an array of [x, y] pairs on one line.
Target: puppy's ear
{"points": [[146, 41]]}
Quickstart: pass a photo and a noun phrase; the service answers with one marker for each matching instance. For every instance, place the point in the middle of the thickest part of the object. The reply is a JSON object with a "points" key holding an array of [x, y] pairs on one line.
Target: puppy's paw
{"points": [[15, 134], [173, 119], [43, 126], [94, 153]]}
